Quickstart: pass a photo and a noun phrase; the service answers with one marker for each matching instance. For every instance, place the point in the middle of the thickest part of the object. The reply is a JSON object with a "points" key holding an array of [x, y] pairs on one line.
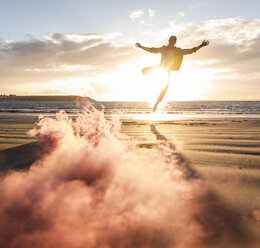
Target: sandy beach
{"points": [[226, 153]]}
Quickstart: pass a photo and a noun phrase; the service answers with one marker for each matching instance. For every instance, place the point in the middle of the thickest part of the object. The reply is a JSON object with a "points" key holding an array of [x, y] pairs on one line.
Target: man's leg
{"points": [[146, 70], [162, 94]]}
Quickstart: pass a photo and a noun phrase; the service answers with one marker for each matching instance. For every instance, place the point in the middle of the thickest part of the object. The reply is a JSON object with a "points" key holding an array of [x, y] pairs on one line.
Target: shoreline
{"points": [[158, 117]]}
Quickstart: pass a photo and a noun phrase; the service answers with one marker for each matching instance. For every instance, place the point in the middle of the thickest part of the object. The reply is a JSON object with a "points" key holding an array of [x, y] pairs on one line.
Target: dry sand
{"points": [[224, 152]]}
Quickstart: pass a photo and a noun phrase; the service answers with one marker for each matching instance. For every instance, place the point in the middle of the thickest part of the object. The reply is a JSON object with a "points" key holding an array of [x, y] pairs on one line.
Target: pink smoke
{"points": [[95, 188]]}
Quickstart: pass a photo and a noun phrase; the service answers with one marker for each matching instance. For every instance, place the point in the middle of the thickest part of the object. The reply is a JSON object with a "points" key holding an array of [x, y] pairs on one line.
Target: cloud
{"points": [[151, 12], [142, 16], [60, 57], [181, 13], [229, 31], [233, 31], [135, 14], [58, 37]]}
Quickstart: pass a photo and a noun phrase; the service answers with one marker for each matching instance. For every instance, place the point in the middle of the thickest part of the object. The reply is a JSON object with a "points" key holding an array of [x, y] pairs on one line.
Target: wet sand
{"points": [[225, 152], [13, 131]]}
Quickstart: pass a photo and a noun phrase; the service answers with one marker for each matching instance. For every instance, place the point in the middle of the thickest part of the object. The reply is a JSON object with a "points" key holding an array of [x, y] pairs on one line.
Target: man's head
{"points": [[172, 40]]}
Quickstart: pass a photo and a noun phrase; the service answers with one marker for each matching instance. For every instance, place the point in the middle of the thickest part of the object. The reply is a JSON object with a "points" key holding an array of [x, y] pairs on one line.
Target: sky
{"points": [[81, 47]]}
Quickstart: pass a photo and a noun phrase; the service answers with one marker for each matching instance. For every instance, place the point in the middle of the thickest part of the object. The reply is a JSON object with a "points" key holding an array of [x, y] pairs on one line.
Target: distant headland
{"points": [[45, 98]]}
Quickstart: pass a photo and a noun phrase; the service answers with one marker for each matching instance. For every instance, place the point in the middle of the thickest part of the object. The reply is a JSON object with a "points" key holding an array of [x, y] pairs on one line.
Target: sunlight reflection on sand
{"points": [[158, 116]]}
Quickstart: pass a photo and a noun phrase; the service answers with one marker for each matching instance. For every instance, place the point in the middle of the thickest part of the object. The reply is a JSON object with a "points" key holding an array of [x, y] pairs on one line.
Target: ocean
{"points": [[141, 110]]}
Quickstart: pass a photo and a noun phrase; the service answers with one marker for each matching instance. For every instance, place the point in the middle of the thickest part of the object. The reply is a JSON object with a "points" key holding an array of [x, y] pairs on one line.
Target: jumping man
{"points": [[171, 60]]}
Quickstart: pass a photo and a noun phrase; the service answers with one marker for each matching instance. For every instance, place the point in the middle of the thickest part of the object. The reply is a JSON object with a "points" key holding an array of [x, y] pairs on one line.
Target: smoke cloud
{"points": [[95, 188]]}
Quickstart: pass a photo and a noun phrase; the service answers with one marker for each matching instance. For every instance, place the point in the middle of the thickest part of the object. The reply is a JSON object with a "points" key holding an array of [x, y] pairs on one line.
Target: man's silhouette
{"points": [[171, 60]]}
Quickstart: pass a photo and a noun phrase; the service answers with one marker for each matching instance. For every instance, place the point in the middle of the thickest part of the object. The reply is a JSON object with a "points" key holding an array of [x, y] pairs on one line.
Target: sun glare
{"points": [[158, 116], [127, 83], [158, 77], [190, 83]]}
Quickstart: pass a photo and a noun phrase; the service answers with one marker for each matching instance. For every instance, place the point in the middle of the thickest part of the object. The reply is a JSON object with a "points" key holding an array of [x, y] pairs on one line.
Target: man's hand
{"points": [[138, 45], [205, 43]]}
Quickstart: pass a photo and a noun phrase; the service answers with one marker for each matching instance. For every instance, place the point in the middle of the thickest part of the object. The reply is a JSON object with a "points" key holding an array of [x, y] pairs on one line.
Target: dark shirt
{"points": [[172, 57]]}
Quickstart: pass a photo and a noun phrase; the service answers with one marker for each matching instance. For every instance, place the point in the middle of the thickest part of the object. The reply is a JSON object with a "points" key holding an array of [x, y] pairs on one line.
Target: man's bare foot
{"points": [[145, 71], [155, 106]]}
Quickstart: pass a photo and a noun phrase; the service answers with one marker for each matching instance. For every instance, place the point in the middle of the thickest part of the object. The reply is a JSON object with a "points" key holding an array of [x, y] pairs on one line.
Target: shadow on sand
{"points": [[20, 157], [218, 220]]}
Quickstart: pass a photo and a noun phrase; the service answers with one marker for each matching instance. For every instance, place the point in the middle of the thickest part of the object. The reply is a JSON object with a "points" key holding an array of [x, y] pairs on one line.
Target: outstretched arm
{"points": [[204, 43], [195, 49], [149, 49]]}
